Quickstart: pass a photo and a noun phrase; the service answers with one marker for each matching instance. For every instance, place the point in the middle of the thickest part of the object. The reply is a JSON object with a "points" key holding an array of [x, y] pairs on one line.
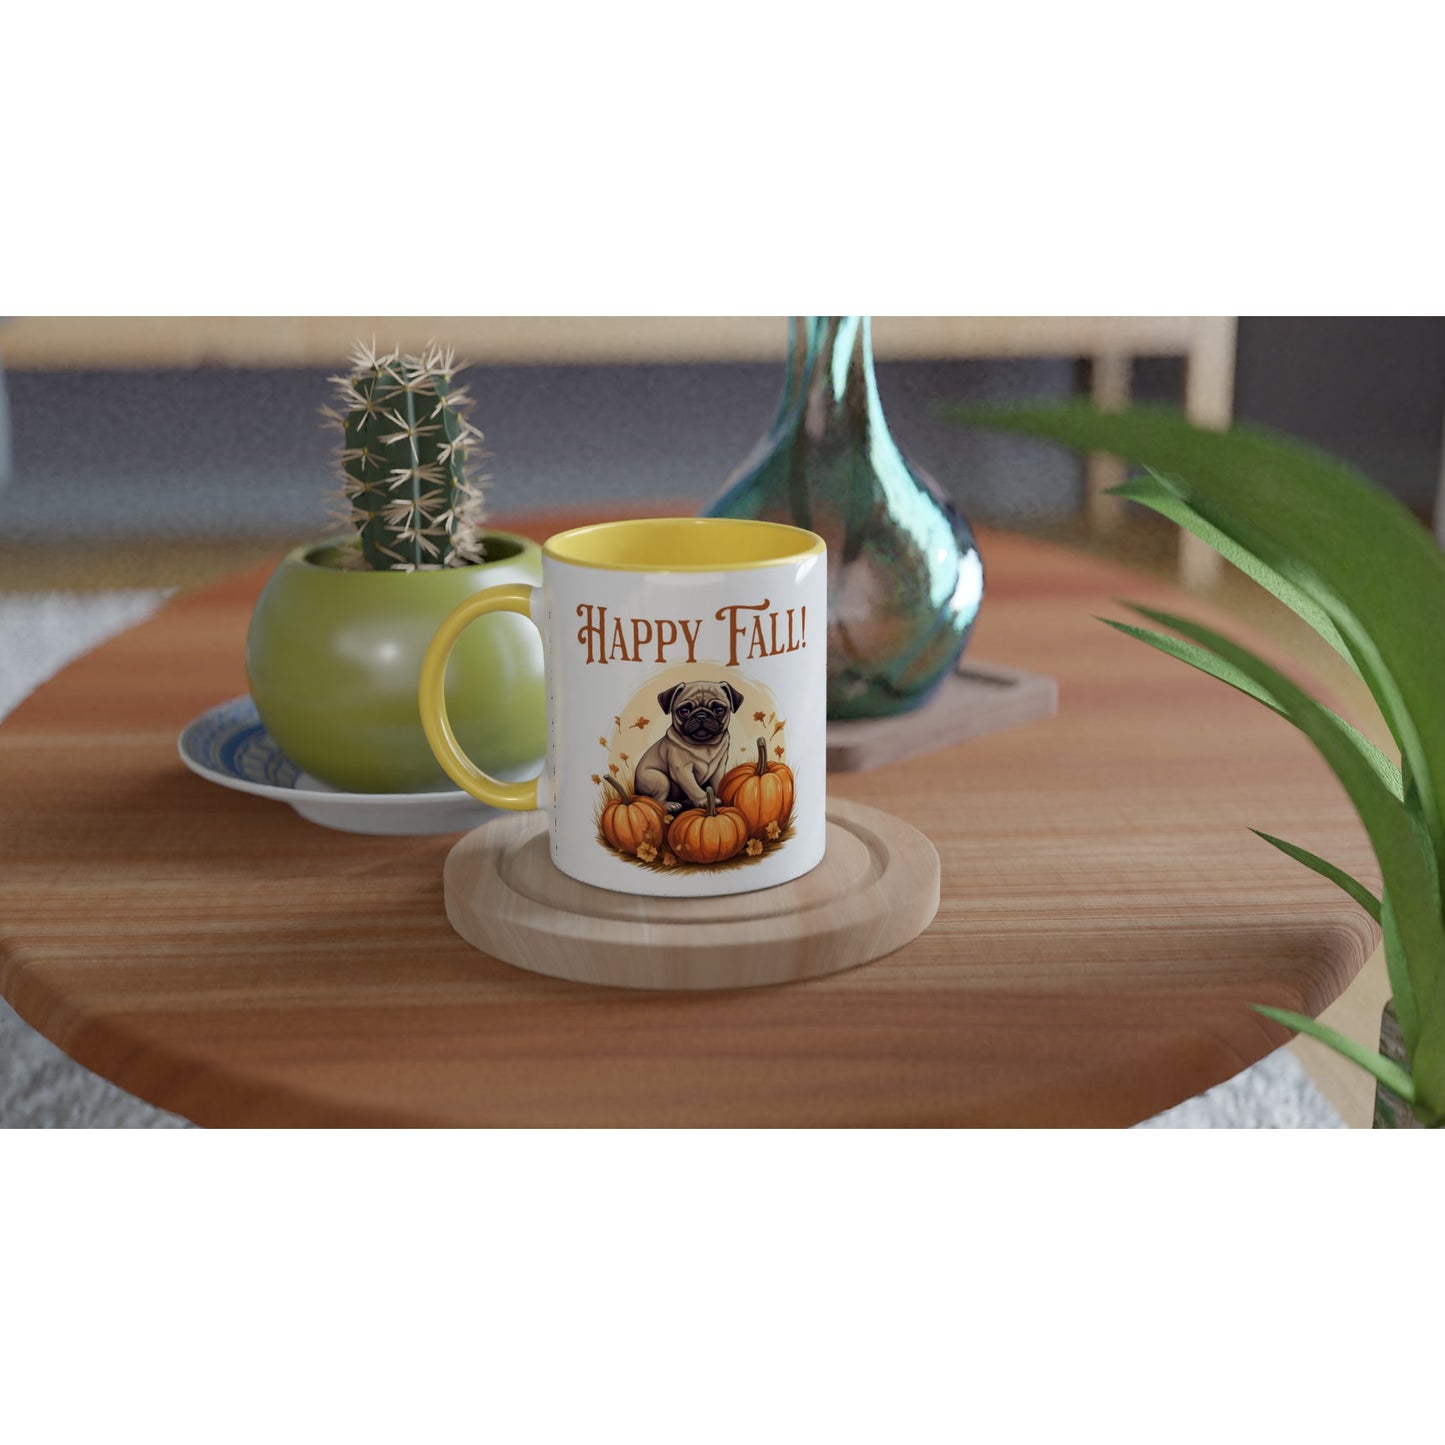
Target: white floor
{"points": [[41, 1088]]}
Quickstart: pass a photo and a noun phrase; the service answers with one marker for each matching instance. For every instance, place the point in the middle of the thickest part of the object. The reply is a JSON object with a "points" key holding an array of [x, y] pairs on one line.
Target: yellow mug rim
{"points": [[671, 544]]}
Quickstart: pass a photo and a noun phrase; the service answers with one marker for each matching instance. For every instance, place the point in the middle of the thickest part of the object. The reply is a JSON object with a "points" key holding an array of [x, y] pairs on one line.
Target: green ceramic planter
{"points": [[334, 661]]}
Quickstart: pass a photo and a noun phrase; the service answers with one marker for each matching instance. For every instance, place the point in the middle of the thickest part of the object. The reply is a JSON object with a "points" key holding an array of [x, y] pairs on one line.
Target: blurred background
{"points": [[158, 451]]}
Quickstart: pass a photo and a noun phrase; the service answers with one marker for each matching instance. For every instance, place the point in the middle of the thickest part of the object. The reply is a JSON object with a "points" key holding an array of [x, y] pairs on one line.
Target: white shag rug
{"points": [[40, 1087]]}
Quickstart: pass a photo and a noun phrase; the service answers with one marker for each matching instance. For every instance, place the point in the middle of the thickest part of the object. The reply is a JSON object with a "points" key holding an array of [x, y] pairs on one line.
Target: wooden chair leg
{"points": [[1208, 402], [1109, 389]]}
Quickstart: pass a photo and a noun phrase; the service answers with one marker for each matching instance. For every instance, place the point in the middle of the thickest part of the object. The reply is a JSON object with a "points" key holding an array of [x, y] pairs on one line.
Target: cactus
{"points": [[404, 452]]}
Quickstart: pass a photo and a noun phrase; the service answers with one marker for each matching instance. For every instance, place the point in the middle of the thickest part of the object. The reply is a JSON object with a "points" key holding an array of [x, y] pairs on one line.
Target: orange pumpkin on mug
{"points": [[630, 820], [762, 792], [708, 835]]}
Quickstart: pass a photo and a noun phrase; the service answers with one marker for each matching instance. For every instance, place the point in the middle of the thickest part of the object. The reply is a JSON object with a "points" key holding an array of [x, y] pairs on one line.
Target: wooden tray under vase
{"points": [[980, 698]]}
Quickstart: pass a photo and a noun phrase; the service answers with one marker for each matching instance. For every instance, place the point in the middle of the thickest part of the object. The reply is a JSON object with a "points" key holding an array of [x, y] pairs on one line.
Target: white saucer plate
{"points": [[229, 745]]}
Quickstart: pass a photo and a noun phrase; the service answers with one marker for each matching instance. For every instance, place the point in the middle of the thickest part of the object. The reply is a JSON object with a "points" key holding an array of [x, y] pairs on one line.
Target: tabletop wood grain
{"points": [[1106, 917]]}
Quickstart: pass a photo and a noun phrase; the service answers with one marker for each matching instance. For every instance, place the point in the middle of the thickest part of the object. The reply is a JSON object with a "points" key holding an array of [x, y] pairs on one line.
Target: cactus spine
{"points": [[404, 451]]}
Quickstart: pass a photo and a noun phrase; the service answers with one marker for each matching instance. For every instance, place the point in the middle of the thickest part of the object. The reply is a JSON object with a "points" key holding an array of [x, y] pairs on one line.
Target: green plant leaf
{"points": [[1347, 545], [1337, 876], [1216, 667], [1155, 492], [1387, 1071], [1415, 811], [1198, 657], [1314, 711], [1404, 864]]}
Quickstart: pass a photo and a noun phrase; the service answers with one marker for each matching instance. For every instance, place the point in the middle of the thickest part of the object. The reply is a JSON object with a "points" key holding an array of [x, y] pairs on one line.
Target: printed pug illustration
{"points": [[703, 783], [690, 758]]}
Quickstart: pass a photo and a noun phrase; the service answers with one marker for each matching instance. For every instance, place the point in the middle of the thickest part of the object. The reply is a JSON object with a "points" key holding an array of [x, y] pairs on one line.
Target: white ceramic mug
{"points": [[686, 663]]}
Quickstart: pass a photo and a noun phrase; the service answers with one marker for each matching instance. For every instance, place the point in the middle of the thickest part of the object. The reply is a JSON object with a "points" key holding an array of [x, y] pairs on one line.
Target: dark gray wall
{"points": [[1370, 389]]}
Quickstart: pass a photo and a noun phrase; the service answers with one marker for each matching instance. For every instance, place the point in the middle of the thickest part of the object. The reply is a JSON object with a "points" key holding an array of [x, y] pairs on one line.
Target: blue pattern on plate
{"points": [[232, 739]]}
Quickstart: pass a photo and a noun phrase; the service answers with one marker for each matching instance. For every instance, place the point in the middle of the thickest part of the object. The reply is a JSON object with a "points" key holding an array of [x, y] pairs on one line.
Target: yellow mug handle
{"points": [[521, 797]]}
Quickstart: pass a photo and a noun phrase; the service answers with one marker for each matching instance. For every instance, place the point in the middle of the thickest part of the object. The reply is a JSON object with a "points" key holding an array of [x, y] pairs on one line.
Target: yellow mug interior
{"points": [[683, 544]]}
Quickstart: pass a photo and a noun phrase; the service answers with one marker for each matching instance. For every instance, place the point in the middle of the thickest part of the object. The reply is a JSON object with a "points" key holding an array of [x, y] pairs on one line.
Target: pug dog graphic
{"points": [[692, 755]]}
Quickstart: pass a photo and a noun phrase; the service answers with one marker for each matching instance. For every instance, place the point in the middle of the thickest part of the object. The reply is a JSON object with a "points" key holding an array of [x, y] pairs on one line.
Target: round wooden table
{"points": [[1106, 916]]}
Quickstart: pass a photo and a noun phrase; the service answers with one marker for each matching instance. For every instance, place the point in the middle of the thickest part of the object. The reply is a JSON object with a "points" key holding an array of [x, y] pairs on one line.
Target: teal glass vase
{"points": [[905, 579]]}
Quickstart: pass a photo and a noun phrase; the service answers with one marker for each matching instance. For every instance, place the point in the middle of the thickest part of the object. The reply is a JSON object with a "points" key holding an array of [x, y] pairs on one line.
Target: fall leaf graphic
{"points": [[603, 741], [618, 721], [596, 777], [757, 717], [772, 830], [640, 723], [668, 860], [613, 768], [646, 852], [777, 728], [755, 846], [777, 752], [623, 756]]}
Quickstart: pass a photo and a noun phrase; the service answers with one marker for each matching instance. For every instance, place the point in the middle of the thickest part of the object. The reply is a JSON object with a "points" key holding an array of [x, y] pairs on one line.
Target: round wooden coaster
{"points": [[874, 891]]}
